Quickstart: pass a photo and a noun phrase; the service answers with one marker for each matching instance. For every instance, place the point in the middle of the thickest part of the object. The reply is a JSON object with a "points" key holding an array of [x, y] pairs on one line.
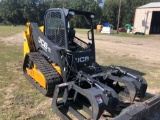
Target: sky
{"points": [[102, 3]]}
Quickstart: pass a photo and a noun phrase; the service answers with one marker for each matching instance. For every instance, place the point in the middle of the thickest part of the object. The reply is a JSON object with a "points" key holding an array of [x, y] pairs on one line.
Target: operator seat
{"points": [[71, 35]]}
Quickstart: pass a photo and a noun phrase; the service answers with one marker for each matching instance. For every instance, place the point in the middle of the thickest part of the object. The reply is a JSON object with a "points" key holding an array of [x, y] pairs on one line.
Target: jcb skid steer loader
{"points": [[62, 65]]}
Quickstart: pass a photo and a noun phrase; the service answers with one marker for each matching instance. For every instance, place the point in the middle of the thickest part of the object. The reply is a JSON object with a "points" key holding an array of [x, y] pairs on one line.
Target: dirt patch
{"points": [[13, 40], [145, 49], [39, 112], [8, 95]]}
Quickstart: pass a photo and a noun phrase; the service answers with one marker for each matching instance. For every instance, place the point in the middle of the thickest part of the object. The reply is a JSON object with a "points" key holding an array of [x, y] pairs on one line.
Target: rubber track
{"points": [[51, 75]]}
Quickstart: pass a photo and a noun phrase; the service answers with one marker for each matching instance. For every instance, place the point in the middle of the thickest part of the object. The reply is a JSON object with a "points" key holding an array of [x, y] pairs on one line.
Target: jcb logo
{"points": [[43, 43], [82, 59]]}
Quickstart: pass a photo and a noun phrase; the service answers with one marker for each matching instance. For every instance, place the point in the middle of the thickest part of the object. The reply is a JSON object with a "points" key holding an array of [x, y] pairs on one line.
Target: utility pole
{"points": [[119, 14]]}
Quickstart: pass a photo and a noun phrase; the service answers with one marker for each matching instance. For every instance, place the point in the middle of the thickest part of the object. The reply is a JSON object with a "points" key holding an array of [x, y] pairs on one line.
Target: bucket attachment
{"points": [[147, 110]]}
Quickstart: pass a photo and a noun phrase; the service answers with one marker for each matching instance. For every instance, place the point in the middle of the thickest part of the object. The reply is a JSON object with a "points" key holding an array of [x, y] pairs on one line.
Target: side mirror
{"points": [[89, 35]]}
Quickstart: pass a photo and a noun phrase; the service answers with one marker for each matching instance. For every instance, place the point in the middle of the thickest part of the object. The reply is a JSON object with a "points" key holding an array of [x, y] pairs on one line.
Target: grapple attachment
{"points": [[86, 99], [95, 96]]}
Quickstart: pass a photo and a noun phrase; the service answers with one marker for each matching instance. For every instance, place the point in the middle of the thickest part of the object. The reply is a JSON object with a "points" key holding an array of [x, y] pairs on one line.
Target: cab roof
{"points": [[66, 11]]}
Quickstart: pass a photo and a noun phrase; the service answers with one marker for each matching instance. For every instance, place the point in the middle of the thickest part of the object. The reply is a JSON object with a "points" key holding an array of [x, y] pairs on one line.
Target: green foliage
{"points": [[110, 11], [22, 11]]}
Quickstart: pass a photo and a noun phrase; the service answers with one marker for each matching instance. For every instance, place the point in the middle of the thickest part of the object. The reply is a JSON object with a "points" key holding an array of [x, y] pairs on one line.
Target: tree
{"points": [[110, 11], [11, 11]]}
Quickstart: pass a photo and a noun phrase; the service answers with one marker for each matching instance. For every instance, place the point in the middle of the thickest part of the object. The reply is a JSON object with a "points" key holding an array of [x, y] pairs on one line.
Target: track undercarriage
{"points": [[41, 73]]}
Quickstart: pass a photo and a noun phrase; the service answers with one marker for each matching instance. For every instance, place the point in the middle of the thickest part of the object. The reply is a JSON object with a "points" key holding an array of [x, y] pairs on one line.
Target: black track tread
{"points": [[51, 75]]}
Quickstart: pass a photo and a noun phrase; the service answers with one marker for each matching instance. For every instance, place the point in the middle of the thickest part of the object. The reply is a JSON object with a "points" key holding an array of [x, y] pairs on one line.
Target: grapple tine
{"points": [[55, 102], [131, 87], [75, 113], [84, 107], [132, 91], [96, 112]]}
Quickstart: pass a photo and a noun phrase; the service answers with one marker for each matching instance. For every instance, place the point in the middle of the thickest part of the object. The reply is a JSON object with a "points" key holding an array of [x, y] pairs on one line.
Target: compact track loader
{"points": [[62, 65]]}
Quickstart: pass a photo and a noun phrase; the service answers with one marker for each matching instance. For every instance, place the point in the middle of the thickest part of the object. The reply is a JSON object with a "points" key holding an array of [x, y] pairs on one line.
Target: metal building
{"points": [[147, 19]]}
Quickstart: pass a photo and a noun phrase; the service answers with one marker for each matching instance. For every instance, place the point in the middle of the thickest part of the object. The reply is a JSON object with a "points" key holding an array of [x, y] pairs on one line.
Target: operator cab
{"points": [[59, 28]]}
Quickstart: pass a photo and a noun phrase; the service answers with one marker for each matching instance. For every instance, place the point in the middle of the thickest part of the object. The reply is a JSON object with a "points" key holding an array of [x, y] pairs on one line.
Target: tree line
{"points": [[18, 12]]}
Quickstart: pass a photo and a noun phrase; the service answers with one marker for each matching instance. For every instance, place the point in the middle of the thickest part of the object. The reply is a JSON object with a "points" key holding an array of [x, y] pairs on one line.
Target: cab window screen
{"points": [[54, 28]]}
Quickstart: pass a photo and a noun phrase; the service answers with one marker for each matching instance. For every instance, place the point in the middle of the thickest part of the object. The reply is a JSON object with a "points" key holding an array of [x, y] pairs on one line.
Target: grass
{"points": [[18, 96], [121, 34], [6, 31]]}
